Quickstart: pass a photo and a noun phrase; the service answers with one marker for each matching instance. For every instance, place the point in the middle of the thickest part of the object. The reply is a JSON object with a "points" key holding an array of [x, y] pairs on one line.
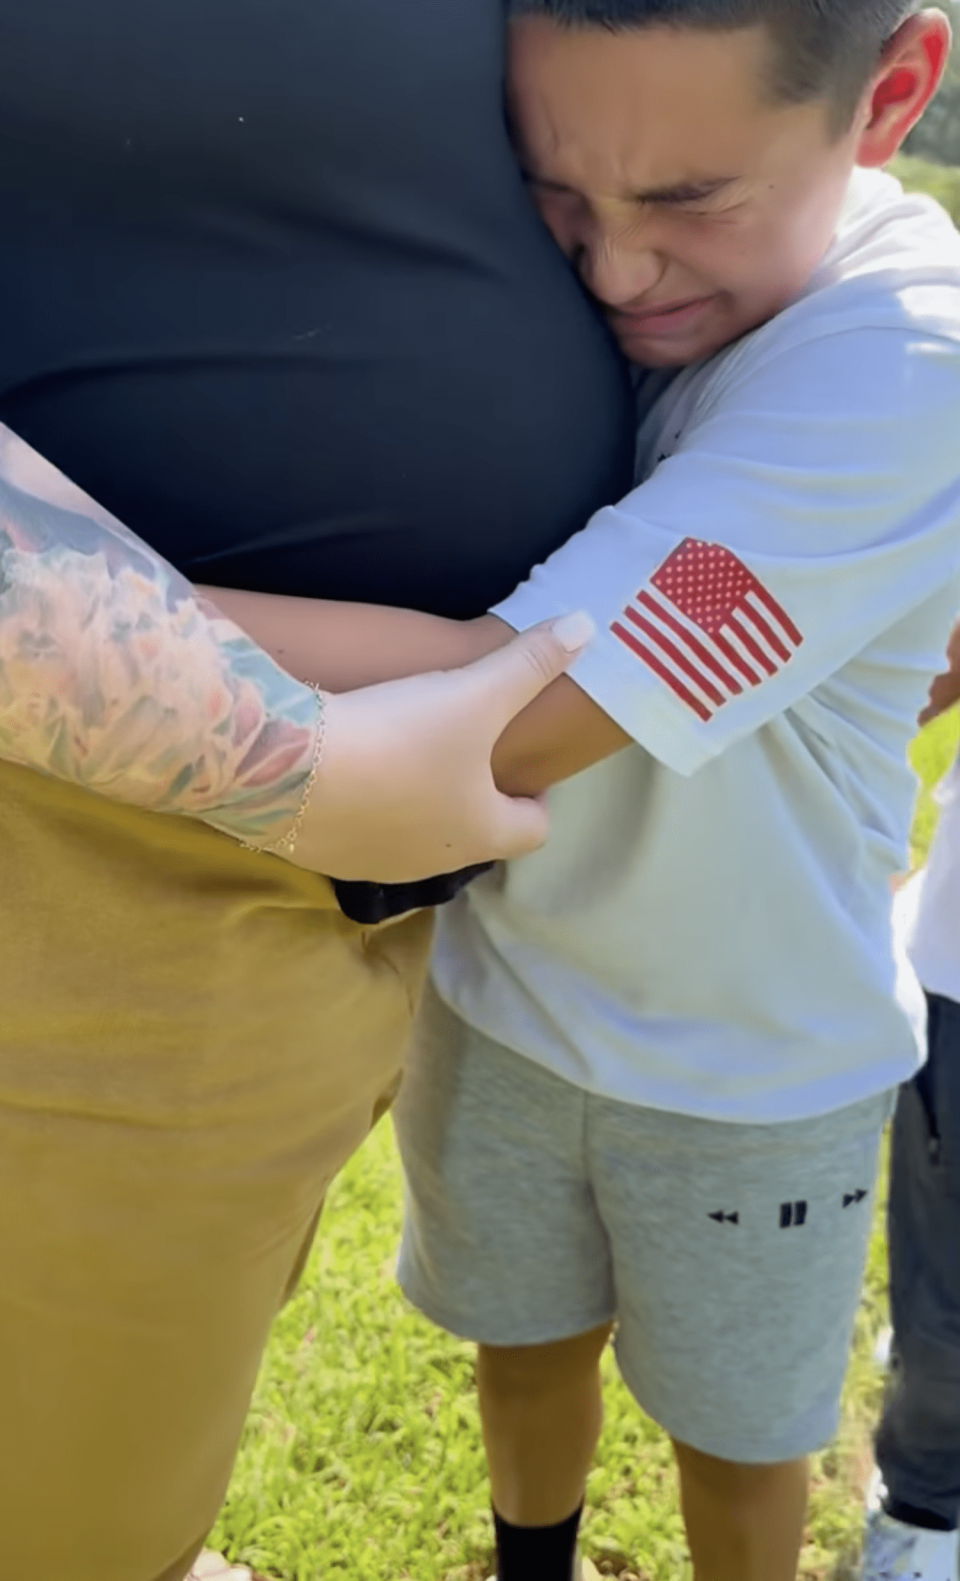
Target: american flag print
{"points": [[707, 627]]}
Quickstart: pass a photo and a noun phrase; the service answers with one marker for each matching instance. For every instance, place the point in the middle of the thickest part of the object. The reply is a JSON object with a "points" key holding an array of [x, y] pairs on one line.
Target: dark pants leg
{"points": [[918, 1443]]}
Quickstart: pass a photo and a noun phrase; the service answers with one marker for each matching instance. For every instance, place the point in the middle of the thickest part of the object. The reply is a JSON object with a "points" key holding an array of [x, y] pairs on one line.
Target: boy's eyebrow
{"points": [[685, 191], [682, 192]]}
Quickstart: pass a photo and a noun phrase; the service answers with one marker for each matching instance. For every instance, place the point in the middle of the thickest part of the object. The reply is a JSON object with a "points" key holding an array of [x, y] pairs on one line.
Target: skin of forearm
{"points": [[343, 646], [117, 677], [561, 733]]}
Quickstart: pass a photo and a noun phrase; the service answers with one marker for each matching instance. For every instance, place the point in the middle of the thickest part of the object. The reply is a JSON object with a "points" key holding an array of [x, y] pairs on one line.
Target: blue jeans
{"points": [[918, 1442]]}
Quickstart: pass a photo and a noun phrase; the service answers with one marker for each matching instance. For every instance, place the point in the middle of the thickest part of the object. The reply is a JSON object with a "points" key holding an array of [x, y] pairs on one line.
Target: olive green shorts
{"points": [[192, 1041]]}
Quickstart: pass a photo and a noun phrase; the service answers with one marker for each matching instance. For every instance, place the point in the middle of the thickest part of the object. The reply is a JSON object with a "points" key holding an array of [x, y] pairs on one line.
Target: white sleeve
{"points": [[814, 502]]}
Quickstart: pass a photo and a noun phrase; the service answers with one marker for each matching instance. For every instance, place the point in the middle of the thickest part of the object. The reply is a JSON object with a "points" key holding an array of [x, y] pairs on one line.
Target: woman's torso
{"points": [[271, 290]]}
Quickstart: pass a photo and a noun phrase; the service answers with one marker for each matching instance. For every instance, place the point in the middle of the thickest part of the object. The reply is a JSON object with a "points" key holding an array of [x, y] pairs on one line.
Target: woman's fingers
{"points": [[518, 825], [405, 788], [514, 675]]}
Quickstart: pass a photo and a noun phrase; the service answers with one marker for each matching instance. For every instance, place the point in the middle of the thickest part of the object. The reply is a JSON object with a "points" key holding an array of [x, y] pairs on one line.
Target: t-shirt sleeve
{"points": [[814, 501]]}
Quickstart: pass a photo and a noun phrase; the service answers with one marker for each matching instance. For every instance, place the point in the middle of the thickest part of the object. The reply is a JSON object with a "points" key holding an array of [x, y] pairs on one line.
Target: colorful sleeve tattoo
{"points": [[116, 676]]}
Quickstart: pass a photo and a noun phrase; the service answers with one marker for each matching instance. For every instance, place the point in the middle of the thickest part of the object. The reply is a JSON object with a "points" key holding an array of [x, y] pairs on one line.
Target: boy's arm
{"points": [[561, 733], [811, 508], [344, 646], [812, 505]]}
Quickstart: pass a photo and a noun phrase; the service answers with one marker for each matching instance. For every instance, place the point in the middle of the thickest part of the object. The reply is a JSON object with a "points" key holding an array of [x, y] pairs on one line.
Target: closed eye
{"points": [[690, 195]]}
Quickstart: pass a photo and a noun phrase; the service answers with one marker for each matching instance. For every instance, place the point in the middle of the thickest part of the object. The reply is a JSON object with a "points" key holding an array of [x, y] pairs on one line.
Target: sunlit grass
{"points": [[940, 181], [930, 755]]}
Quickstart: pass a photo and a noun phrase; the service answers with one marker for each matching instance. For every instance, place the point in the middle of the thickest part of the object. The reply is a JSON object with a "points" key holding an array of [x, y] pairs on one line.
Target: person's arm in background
{"points": [[118, 677], [945, 688], [341, 646]]}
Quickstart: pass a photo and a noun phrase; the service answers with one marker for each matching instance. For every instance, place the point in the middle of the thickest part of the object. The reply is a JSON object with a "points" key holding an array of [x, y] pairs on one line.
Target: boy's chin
{"points": [[646, 355], [650, 352]]}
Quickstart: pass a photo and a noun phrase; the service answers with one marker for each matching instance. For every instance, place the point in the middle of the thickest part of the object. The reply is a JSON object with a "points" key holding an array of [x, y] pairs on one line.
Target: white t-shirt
{"points": [[708, 929], [932, 901]]}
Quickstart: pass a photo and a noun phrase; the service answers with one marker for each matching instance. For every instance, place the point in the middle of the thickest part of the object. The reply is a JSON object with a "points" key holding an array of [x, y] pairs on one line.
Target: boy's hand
{"points": [[945, 688], [405, 788]]}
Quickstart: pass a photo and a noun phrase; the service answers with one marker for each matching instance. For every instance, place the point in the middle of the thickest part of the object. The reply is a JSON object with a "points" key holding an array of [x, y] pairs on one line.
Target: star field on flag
{"points": [[707, 627]]}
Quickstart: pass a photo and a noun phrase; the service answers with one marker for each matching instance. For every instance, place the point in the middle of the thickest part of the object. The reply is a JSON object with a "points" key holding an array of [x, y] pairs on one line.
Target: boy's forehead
{"points": [[740, 58], [681, 99]]}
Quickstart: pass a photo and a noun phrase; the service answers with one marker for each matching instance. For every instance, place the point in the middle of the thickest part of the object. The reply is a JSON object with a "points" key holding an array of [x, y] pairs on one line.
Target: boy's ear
{"points": [[908, 77]]}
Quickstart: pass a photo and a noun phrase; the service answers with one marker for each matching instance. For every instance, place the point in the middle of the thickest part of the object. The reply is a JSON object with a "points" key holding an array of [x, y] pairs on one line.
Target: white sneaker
{"points": [[883, 1349], [893, 1551], [213, 1567], [587, 1571]]}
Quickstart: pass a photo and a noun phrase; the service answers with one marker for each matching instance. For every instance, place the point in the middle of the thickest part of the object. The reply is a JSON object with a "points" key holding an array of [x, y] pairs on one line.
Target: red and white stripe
{"points": [[705, 668]]}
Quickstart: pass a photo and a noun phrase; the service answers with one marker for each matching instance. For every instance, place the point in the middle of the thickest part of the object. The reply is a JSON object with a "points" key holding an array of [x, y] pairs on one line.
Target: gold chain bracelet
{"points": [[286, 842]]}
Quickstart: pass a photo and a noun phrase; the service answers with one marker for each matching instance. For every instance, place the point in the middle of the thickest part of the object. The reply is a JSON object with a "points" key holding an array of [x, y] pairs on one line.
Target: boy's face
{"points": [[692, 207]]}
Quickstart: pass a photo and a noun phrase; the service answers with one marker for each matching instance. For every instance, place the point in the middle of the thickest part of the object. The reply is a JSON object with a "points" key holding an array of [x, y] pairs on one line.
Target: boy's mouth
{"points": [[668, 318]]}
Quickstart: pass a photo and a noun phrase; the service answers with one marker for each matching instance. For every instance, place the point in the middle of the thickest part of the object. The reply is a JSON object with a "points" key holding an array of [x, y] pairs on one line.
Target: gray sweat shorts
{"points": [[730, 1256]]}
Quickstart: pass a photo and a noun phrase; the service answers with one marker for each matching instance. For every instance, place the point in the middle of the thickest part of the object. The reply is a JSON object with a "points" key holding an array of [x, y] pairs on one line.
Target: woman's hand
{"points": [[405, 789]]}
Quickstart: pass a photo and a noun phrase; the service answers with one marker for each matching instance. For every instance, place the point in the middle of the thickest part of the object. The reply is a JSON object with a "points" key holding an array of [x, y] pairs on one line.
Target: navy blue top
{"points": [[272, 291]]}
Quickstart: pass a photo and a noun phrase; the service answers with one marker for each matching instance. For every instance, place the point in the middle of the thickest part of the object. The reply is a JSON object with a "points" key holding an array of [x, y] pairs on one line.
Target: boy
{"points": [[652, 1080], [651, 1083]]}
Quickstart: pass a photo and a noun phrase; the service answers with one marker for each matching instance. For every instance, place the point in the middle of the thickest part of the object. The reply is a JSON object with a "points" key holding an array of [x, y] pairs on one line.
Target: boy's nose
{"points": [[617, 274]]}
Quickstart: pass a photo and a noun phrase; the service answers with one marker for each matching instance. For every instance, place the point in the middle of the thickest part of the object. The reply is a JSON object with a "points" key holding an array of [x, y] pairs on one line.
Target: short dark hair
{"points": [[823, 48]]}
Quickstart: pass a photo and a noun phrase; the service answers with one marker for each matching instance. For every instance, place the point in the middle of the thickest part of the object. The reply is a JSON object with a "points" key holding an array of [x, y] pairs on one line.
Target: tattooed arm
{"points": [[117, 676], [341, 646]]}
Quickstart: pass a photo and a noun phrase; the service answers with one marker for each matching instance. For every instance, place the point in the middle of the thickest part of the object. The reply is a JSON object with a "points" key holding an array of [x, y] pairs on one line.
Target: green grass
{"points": [[941, 181], [362, 1456], [930, 755]]}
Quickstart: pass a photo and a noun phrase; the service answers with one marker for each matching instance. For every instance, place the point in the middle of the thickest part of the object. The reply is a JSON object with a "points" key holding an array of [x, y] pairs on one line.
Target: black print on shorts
{"points": [[792, 1215], [725, 1218], [852, 1199]]}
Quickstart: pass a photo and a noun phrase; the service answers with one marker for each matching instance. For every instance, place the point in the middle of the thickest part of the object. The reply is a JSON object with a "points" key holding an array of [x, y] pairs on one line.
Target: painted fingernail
{"points": [[574, 631]]}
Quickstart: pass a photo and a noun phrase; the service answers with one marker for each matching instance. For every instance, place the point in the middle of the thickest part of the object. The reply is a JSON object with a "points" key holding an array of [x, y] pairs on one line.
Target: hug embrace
{"points": [[376, 376]]}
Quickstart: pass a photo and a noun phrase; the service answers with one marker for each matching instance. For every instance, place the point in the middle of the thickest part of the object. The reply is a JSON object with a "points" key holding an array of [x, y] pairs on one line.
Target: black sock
{"points": [[536, 1553], [912, 1516]]}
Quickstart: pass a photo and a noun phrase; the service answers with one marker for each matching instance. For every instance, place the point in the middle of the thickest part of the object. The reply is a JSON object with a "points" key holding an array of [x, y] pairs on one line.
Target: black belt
{"points": [[365, 902]]}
